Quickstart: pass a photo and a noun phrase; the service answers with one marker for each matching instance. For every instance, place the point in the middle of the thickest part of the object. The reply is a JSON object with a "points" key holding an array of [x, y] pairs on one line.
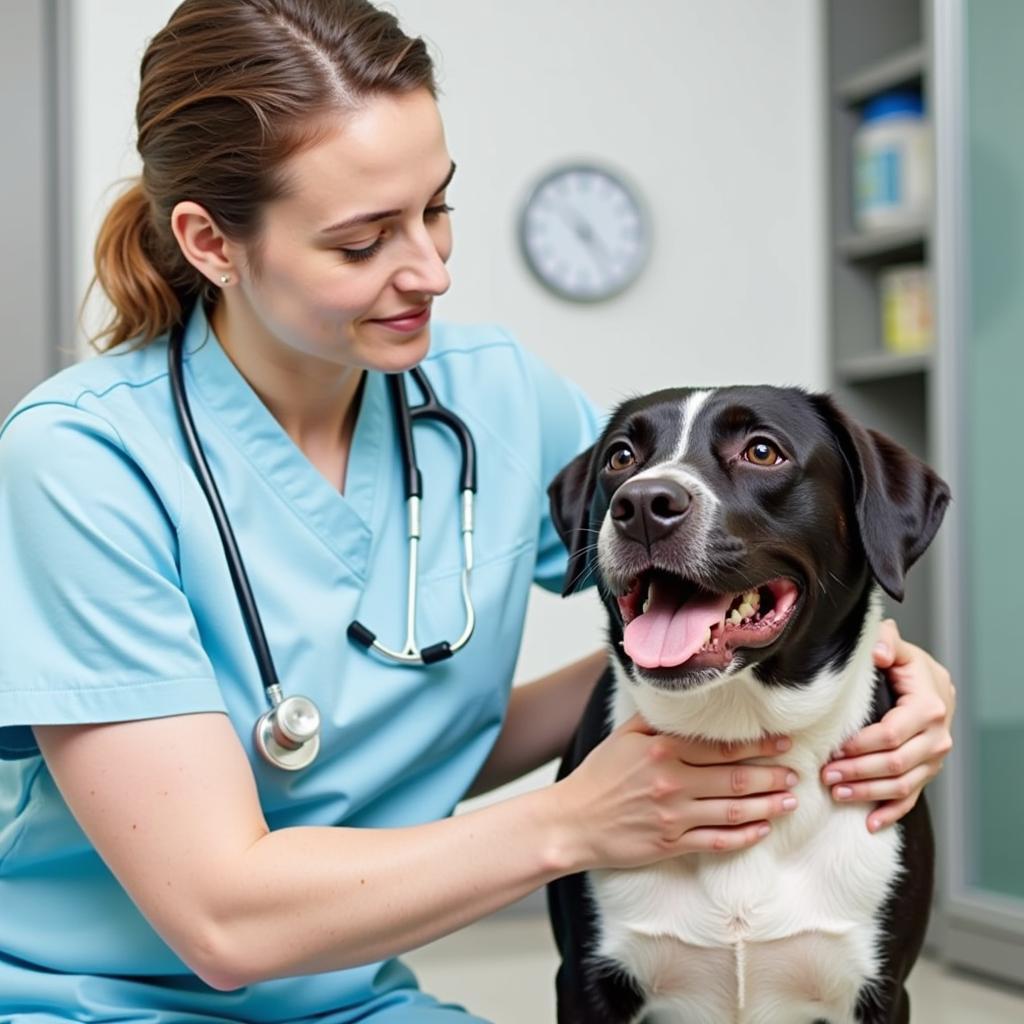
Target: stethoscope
{"points": [[288, 734]]}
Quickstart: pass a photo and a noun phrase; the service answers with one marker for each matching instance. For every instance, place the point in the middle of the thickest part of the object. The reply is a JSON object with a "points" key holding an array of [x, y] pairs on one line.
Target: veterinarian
{"points": [[165, 854]]}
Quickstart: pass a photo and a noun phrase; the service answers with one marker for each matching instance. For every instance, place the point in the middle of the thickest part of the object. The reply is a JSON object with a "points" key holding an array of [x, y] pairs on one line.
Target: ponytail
{"points": [[150, 290], [228, 92]]}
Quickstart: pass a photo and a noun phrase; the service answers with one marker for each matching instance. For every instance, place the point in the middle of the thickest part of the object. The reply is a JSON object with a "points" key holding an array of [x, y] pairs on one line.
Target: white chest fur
{"points": [[783, 933]]}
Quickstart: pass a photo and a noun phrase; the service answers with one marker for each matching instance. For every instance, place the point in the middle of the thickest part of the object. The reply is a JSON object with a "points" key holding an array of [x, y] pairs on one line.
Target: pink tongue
{"points": [[667, 635]]}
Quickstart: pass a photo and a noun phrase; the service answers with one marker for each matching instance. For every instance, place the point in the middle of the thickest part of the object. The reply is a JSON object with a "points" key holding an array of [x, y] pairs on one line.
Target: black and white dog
{"points": [[742, 535]]}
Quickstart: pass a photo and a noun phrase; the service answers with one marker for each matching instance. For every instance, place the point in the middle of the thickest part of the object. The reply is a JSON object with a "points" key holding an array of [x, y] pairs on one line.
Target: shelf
{"points": [[899, 69], [884, 246], [882, 366]]}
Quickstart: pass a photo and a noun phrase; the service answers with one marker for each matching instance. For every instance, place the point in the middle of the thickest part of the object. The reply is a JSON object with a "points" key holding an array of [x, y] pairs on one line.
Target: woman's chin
{"points": [[400, 355]]}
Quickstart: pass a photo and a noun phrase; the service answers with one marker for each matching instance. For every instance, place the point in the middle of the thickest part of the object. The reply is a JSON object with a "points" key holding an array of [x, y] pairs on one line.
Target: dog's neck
{"points": [[819, 714]]}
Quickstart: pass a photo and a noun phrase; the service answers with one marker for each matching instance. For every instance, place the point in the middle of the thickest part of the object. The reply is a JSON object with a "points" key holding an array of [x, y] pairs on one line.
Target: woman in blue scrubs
{"points": [[292, 216]]}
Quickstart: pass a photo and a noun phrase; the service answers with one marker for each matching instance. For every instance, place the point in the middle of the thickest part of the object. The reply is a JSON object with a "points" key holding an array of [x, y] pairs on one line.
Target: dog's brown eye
{"points": [[763, 453], [621, 458]]}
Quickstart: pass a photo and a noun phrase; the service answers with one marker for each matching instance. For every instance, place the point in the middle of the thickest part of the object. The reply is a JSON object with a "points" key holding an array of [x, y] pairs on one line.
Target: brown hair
{"points": [[229, 90]]}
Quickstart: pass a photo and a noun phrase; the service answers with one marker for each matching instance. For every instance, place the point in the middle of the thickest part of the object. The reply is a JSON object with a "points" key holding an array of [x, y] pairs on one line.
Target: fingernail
{"points": [[843, 792], [832, 776], [792, 779], [789, 803], [883, 650], [783, 744], [763, 830], [874, 824]]}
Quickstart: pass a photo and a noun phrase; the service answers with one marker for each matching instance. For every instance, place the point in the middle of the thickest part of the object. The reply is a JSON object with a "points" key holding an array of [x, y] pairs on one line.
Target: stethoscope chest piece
{"points": [[288, 735]]}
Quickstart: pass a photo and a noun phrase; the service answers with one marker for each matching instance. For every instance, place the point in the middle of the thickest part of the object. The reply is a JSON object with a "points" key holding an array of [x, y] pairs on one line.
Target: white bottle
{"points": [[892, 153]]}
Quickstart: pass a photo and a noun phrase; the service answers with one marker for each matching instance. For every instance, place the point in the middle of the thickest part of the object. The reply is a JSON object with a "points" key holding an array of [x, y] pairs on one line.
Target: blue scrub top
{"points": [[117, 605]]}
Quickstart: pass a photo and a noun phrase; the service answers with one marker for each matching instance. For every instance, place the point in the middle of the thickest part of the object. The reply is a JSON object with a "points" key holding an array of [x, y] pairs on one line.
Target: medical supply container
{"points": [[892, 157], [906, 303]]}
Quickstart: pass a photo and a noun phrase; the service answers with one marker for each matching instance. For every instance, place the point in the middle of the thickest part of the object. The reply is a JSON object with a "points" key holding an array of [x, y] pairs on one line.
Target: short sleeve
{"points": [[95, 626], [569, 422]]}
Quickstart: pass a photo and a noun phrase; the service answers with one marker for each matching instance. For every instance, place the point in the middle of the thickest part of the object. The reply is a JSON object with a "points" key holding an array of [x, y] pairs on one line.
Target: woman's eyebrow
{"points": [[370, 218]]}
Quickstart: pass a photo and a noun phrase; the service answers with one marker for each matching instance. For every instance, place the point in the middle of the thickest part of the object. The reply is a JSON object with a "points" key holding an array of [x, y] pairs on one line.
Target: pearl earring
{"points": [[225, 279]]}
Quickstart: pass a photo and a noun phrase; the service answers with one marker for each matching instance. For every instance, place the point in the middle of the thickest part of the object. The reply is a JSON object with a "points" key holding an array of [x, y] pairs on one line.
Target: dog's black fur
{"points": [[847, 509]]}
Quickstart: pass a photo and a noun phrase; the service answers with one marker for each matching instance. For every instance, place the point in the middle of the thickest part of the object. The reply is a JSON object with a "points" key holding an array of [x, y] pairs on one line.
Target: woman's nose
{"points": [[424, 270]]}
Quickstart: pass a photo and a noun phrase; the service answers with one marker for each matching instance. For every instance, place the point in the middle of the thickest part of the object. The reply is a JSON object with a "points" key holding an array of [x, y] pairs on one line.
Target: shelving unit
{"points": [[873, 46], [904, 68], [875, 366], [882, 247]]}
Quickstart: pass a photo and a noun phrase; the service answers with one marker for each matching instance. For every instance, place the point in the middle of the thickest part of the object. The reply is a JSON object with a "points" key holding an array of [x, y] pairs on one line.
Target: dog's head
{"points": [[741, 527]]}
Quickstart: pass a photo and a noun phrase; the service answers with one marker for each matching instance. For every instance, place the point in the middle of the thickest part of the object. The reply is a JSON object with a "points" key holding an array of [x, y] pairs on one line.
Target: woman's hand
{"points": [[891, 761], [640, 796]]}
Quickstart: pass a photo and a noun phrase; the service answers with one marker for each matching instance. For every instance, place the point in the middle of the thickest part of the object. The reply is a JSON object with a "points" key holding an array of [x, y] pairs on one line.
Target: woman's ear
{"points": [[202, 242]]}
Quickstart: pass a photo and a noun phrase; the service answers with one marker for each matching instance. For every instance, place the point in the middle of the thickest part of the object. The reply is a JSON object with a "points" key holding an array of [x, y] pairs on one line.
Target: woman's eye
{"points": [[355, 255], [621, 458], [431, 212], [763, 453]]}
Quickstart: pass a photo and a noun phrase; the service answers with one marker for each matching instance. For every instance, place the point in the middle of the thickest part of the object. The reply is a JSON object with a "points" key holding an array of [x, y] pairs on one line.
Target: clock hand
{"points": [[586, 234]]}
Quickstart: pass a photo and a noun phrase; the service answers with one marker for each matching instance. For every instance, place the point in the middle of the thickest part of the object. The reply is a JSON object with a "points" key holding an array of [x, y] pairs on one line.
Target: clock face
{"points": [[584, 234]]}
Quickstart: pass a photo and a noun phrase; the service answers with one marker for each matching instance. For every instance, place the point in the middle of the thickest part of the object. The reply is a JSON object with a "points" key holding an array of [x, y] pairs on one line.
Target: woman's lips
{"points": [[413, 320]]}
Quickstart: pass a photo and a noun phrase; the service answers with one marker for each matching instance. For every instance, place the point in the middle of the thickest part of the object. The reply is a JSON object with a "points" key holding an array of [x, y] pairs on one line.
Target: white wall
{"points": [[712, 107]]}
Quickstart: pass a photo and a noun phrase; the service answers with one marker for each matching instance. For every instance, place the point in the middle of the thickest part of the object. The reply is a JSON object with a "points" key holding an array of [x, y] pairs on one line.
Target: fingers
{"points": [[722, 840], [700, 752], [885, 764], [900, 787], [886, 643], [743, 812], [895, 728], [890, 812], [742, 780]]}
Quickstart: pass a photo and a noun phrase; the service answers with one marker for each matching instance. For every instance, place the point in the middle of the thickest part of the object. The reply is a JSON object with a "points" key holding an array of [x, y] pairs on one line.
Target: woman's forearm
{"points": [[541, 718], [453, 872], [365, 894], [186, 838]]}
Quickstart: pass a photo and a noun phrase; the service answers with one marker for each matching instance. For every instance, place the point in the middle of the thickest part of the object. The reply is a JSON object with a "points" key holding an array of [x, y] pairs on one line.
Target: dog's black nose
{"points": [[647, 510]]}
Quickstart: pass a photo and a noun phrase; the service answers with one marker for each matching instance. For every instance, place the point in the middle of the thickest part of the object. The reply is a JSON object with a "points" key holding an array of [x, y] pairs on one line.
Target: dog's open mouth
{"points": [[670, 622]]}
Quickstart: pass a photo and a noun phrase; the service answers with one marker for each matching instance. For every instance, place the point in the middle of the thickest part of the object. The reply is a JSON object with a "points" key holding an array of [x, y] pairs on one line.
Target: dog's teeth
{"points": [[707, 636], [746, 610], [752, 598], [650, 596], [735, 618]]}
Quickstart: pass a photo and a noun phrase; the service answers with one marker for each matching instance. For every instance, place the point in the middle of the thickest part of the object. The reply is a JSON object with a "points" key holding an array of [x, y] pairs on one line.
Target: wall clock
{"points": [[584, 233]]}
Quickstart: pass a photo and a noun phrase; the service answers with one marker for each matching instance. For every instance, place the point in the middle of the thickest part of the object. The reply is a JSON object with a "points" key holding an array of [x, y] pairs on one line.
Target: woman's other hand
{"points": [[890, 762]]}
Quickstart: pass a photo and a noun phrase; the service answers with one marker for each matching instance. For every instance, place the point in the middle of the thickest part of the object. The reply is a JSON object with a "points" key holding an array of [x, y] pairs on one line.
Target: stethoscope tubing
{"points": [[405, 417], [292, 742], [236, 567]]}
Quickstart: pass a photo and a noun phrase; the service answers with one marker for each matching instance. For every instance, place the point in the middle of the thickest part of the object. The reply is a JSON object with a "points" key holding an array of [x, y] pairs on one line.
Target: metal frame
{"points": [[980, 931], [37, 255], [62, 183]]}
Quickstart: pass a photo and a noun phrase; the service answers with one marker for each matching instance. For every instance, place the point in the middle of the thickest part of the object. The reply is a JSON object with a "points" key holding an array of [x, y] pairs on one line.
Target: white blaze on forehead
{"points": [[673, 468], [689, 415]]}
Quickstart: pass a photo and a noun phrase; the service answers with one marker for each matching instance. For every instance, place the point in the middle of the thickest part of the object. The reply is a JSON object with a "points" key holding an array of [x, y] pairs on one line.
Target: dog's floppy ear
{"points": [[899, 500], [570, 495]]}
